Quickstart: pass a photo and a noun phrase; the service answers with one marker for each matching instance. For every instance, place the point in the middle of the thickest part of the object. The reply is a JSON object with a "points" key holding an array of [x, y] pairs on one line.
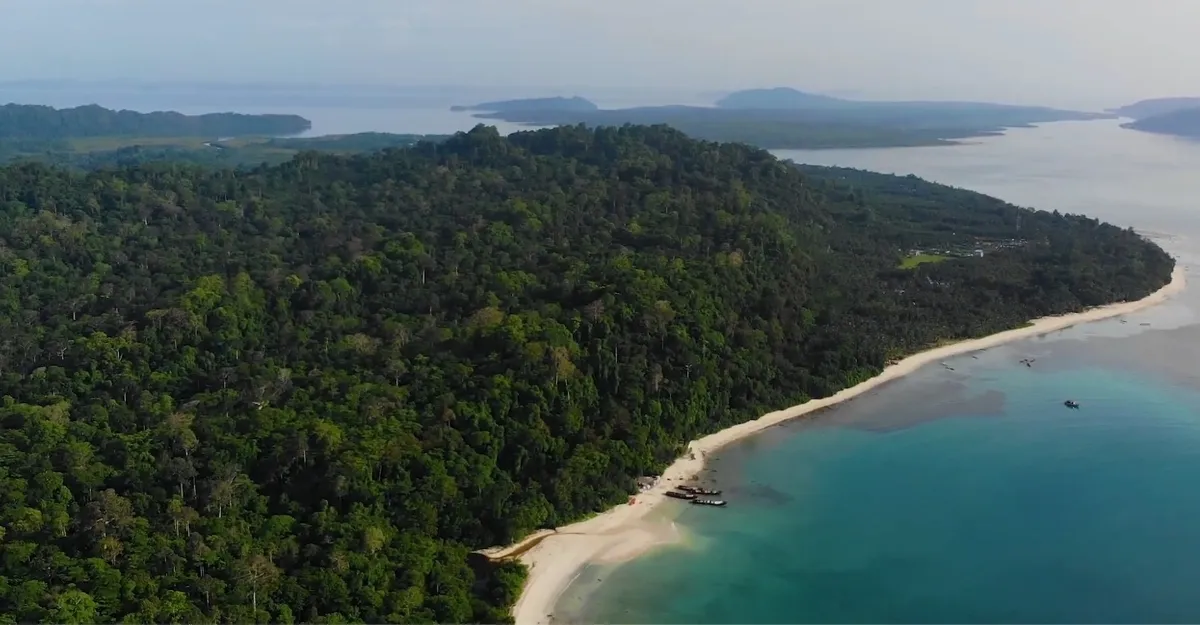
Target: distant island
{"points": [[1156, 106], [784, 118], [575, 104], [1181, 123], [37, 122], [899, 111]]}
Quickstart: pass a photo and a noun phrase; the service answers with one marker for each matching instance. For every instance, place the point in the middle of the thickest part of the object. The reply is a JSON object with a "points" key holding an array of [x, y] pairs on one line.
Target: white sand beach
{"points": [[555, 557]]}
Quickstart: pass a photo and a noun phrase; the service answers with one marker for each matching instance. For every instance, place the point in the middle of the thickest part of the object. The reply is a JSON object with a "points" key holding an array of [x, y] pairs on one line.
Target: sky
{"points": [[1082, 53]]}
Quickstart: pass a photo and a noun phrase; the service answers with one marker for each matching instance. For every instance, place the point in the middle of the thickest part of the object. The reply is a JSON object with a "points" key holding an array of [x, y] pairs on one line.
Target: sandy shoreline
{"points": [[554, 558]]}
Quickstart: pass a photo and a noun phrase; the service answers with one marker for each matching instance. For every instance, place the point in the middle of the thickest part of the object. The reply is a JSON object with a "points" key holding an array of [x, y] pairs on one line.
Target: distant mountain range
{"points": [[1181, 123], [786, 118], [1156, 106], [786, 98], [532, 104], [777, 98], [1179, 116]]}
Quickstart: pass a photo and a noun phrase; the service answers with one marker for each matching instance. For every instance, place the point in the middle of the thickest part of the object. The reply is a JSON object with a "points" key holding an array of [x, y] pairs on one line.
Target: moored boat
{"points": [[678, 495], [696, 490], [709, 502]]}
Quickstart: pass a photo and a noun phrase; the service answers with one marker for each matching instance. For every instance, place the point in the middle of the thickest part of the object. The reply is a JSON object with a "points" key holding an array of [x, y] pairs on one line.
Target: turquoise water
{"points": [[949, 497], [972, 496]]}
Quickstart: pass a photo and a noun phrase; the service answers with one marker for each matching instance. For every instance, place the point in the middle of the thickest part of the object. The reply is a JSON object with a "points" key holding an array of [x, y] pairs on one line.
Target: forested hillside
{"points": [[306, 392], [109, 152]]}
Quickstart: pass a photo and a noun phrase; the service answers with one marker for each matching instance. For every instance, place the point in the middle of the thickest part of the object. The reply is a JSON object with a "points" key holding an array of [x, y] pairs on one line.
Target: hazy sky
{"points": [[1063, 52]]}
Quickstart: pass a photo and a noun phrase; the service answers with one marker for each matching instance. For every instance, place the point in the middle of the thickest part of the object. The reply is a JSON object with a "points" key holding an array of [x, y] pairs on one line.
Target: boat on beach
{"points": [[679, 495]]}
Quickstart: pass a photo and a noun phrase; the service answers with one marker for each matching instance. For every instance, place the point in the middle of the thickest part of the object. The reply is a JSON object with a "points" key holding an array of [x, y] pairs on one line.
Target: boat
{"points": [[696, 490], [1071, 403], [709, 502], [678, 495]]}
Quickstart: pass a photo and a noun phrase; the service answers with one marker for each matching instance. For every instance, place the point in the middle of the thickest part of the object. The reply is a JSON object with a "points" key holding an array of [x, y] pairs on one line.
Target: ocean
{"points": [[972, 495], [331, 109]]}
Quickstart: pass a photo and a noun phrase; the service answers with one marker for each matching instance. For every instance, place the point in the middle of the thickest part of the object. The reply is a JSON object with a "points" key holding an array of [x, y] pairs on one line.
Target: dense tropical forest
{"points": [[106, 152], [29, 122], [306, 392]]}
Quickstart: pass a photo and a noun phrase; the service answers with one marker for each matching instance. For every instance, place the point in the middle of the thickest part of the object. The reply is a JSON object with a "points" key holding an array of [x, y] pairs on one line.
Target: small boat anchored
{"points": [[678, 495], [696, 490], [1071, 403], [709, 502]]}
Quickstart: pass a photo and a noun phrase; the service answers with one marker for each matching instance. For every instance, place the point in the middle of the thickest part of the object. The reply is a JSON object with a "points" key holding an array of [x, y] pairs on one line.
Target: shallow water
{"points": [[989, 502], [972, 495]]}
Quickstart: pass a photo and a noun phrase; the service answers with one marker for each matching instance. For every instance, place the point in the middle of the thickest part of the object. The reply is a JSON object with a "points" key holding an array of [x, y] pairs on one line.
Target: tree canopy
{"points": [[116, 152], [305, 392]]}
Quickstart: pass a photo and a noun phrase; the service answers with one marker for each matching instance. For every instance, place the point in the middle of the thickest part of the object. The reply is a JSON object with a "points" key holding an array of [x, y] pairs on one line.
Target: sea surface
{"points": [[972, 495], [331, 109]]}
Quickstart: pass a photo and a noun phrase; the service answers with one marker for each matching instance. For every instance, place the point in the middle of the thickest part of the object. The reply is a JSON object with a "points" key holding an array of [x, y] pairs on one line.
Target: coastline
{"points": [[555, 557]]}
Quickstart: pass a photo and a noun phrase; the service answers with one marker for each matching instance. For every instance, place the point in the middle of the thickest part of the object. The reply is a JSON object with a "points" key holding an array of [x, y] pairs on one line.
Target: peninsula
{"points": [[1180, 123], [310, 392], [1156, 106]]}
